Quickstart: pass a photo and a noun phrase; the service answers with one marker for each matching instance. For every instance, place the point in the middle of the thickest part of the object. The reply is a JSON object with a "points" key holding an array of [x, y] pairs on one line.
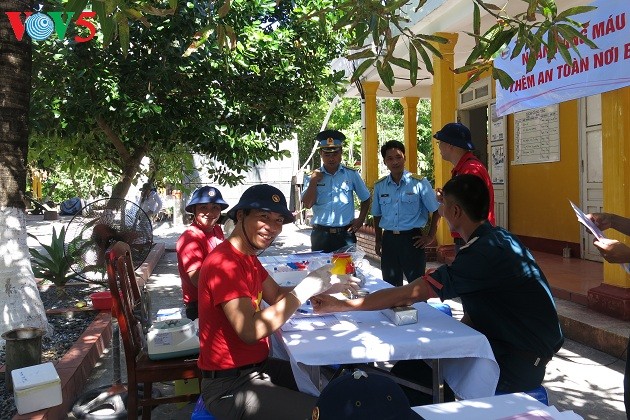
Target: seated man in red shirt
{"points": [[201, 237], [240, 380]]}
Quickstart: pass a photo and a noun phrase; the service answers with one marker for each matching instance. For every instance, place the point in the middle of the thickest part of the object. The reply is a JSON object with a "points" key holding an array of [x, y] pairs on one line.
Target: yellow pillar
{"points": [[443, 110], [410, 107], [369, 150], [616, 167], [36, 185]]}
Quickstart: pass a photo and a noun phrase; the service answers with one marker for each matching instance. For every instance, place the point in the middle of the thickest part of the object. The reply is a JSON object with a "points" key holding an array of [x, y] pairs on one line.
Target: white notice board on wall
{"points": [[537, 135]]}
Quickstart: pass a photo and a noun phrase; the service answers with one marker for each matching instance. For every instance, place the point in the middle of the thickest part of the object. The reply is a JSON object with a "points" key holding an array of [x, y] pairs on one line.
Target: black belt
{"points": [[228, 373], [404, 232], [333, 230]]}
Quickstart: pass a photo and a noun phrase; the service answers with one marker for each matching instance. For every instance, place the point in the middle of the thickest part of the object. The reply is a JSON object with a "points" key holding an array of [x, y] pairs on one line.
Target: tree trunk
{"points": [[20, 302]]}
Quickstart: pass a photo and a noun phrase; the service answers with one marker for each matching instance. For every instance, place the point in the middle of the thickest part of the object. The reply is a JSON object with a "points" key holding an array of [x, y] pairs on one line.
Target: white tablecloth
{"points": [[508, 406], [466, 357]]}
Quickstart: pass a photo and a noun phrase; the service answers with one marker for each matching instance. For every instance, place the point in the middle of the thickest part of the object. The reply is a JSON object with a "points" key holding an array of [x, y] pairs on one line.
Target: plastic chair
{"points": [[443, 307], [539, 393], [200, 412]]}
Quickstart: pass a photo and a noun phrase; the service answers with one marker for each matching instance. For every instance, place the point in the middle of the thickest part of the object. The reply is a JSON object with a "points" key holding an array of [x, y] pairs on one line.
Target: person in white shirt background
{"points": [[150, 200]]}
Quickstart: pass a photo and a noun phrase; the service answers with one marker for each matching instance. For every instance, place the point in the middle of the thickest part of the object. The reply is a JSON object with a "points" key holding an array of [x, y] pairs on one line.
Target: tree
{"points": [[376, 27], [165, 101], [19, 297]]}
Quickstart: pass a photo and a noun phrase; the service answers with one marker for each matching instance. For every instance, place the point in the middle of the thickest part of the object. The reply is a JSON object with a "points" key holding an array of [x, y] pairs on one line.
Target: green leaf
{"points": [[413, 63], [564, 52], [432, 38], [356, 75], [366, 53], [574, 11], [386, 74], [473, 78], [570, 32], [224, 9], [531, 10], [505, 80], [476, 20], [76, 6], [123, 32], [405, 64]]}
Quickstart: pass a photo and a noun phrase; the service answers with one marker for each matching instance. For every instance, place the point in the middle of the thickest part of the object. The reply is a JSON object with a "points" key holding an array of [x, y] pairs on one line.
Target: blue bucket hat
{"points": [[359, 396], [455, 134], [204, 195], [263, 197], [330, 140]]}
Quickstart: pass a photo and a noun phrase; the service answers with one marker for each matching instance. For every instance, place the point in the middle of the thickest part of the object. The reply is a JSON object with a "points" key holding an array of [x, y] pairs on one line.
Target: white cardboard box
{"points": [[402, 315], [36, 387]]}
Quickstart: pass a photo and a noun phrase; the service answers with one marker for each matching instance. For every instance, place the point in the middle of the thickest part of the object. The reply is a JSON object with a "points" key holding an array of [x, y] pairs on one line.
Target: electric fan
{"points": [[98, 225], [89, 235]]}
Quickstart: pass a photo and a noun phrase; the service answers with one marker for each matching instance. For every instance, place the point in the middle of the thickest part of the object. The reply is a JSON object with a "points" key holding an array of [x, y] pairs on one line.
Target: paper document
{"points": [[310, 322], [588, 223]]}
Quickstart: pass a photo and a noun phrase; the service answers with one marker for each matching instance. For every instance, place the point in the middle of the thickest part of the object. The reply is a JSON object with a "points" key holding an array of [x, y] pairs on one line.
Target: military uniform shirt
{"points": [[405, 206], [504, 292], [334, 205]]}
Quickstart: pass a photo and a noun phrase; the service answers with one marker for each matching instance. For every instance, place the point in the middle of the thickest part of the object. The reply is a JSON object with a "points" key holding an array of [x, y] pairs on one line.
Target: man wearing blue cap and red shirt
{"points": [[455, 144], [329, 191], [240, 380], [201, 237]]}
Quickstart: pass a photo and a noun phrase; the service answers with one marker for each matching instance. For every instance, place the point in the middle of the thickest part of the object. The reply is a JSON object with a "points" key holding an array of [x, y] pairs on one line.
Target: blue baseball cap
{"points": [[330, 140], [204, 195], [360, 396], [455, 134], [263, 197]]}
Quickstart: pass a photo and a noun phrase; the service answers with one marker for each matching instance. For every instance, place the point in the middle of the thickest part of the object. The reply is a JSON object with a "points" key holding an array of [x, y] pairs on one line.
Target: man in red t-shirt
{"points": [[455, 144], [201, 237], [240, 380]]}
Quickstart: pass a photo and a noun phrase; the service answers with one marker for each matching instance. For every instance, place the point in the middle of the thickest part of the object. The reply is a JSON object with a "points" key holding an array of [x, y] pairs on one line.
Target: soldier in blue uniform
{"points": [[401, 207], [329, 192]]}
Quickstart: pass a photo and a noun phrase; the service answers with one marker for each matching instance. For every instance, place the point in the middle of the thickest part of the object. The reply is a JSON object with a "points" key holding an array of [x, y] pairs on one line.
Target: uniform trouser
{"points": [[263, 393], [323, 240], [517, 375], [399, 256]]}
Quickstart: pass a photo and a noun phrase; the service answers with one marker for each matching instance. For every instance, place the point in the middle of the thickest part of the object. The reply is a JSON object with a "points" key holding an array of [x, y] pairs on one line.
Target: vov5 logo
{"points": [[40, 25]]}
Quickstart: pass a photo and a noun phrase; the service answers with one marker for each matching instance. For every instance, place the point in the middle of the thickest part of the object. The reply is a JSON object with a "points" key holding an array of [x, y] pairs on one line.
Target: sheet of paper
{"points": [[588, 223], [305, 322]]}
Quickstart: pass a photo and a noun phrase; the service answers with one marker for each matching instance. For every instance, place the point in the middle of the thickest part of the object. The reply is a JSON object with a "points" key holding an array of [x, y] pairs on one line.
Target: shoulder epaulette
{"points": [[418, 177], [381, 179], [349, 168]]}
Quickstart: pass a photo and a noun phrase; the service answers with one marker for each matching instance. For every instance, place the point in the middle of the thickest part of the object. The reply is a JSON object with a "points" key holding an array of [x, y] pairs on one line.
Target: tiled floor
{"points": [[570, 278]]}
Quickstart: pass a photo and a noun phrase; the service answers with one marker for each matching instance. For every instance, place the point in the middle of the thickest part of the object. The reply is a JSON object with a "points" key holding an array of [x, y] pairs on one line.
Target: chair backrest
{"points": [[119, 266]]}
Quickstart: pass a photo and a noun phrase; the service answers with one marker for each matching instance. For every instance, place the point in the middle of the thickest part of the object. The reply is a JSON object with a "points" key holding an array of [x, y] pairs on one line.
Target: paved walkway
{"points": [[579, 378]]}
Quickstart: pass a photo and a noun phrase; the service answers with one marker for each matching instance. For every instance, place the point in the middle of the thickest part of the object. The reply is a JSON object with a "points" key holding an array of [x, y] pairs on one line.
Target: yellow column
{"points": [[36, 186], [443, 110], [369, 150], [616, 167], [410, 107]]}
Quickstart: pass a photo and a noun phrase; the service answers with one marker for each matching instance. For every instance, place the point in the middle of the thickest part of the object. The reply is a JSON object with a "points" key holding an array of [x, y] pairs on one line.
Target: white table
{"points": [[465, 356], [497, 407]]}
